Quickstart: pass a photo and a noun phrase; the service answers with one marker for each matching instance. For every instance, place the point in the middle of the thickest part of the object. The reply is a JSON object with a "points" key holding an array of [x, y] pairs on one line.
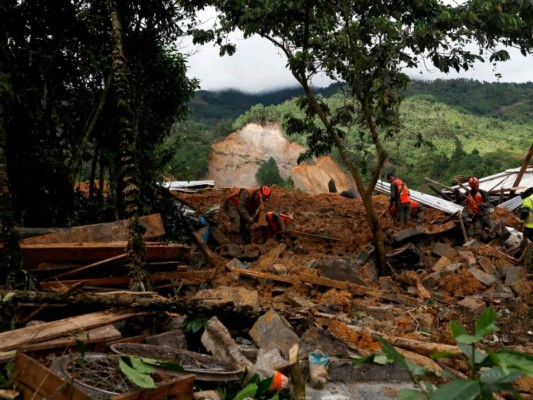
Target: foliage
{"points": [[139, 370], [268, 174], [194, 323], [254, 388], [59, 59], [491, 371], [6, 375]]}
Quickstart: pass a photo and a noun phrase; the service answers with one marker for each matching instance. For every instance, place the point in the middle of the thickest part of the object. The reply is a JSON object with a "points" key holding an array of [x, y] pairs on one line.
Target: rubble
{"points": [[315, 289]]}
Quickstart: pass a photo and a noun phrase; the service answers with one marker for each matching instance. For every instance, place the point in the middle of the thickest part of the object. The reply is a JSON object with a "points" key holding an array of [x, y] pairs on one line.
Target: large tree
{"points": [[367, 44], [62, 115]]}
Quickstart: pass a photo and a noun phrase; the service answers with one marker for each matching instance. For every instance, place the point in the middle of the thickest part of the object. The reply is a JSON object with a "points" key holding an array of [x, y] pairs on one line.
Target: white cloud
{"points": [[259, 66]]}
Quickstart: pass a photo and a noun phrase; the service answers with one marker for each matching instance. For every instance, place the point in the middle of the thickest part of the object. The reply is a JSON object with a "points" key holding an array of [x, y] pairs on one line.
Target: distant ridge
{"points": [[508, 101]]}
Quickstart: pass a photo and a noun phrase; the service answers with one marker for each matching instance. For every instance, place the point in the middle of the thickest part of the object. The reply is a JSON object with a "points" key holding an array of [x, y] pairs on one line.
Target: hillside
{"points": [[235, 161]]}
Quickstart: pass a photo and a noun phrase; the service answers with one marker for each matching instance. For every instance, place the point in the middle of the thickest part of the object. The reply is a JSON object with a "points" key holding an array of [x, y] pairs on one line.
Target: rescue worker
{"points": [[277, 222], [417, 211], [399, 199], [526, 213], [476, 205], [243, 208]]}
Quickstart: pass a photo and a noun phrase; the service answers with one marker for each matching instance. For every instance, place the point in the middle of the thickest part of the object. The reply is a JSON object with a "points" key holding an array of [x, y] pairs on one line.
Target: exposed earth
{"points": [[334, 216], [235, 161]]}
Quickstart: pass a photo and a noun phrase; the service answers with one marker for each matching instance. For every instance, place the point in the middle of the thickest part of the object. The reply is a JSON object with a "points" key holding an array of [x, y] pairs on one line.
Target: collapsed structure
{"points": [[219, 308]]}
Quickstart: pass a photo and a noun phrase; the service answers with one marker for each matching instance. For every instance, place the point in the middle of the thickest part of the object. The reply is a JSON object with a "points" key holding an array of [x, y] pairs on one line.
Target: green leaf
{"points": [[485, 323], [264, 385], [141, 366], [460, 335], [392, 353], [361, 360], [510, 361], [8, 296], [142, 380], [249, 391], [479, 355], [410, 394], [458, 390], [444, 354]]}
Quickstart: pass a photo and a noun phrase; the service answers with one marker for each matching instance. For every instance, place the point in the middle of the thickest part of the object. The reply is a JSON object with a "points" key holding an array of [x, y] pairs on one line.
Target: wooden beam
{"points": [[89, 251], [105, 232], [50, 330], [524, 167], [120, 257], [187, 277]]}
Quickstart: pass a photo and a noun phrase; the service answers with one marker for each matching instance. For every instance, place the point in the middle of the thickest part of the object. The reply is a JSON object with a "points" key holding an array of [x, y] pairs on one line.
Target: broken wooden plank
{"points": [[101, 334], [315, 280], [305, 235], [106, 232], [186, 277], [120, 257], [50, 330], [89, 251]]}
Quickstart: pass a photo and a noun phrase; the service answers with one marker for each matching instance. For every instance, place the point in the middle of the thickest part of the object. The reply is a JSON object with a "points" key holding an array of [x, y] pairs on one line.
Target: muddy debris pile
{"points": [[290, 314]]}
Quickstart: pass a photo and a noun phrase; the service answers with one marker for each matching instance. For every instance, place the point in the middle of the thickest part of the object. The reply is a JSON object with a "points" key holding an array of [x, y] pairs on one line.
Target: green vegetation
{"points": [[491, 371], [268, 174], [437, 140]]}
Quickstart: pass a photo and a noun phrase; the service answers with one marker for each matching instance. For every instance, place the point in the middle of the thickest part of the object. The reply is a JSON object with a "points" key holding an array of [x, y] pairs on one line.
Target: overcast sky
{"points": [[258, 66]]}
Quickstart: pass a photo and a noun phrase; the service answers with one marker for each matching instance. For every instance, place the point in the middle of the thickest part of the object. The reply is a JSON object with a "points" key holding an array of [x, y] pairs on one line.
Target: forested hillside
{"points": [[451, 127]]}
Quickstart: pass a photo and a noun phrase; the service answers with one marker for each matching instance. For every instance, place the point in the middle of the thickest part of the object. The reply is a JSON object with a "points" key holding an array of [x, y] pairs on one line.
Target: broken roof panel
{"points": [[188, 185], [423, 198], [505, 180]]}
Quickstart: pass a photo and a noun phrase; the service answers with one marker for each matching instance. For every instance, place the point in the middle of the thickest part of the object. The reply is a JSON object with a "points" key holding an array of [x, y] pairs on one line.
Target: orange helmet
{"points": [[473, 182], [265, 191]]}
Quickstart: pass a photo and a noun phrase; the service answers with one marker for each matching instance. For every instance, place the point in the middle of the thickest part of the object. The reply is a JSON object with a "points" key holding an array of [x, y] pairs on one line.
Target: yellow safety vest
{"points": [[528, 203]]}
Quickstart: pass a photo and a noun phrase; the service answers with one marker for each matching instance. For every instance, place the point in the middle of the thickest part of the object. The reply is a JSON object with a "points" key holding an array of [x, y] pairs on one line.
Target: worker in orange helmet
{"points": [[242, 208], [477, 203], [399, 199]]}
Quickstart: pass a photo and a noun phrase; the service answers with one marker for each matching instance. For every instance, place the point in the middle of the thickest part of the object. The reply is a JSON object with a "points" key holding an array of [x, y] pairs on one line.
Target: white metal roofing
{"points": [[176, 185], [506, 180], [423, 198]]}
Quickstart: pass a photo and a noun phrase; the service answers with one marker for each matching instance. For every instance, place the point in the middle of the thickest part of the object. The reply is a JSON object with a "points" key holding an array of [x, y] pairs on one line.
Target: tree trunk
{"points": [[76, 160], [128, 157], [366, 192]]}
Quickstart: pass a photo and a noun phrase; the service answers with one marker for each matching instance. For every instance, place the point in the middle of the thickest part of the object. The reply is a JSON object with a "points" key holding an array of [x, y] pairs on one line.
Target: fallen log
{"points": [[104, 232], [129, 300]]}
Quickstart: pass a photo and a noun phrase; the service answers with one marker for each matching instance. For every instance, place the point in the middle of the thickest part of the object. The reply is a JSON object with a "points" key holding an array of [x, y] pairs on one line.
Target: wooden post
{"points": [[523, 169]]}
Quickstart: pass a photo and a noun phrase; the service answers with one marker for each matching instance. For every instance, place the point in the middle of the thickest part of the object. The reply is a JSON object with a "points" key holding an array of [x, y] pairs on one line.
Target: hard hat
{"points": [[265, 191], [473, 182]]}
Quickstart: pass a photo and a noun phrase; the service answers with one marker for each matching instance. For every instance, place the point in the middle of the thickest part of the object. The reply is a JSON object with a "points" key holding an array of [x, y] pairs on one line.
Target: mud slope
{"points": [[235, 161]]}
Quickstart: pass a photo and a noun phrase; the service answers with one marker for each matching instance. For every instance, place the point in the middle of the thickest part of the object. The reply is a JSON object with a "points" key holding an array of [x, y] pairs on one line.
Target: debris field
{"points": [[315, 286]]}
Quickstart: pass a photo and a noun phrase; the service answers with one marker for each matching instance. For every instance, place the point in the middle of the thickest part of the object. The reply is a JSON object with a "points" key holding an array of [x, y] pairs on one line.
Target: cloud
{"points": [[258, 66]]}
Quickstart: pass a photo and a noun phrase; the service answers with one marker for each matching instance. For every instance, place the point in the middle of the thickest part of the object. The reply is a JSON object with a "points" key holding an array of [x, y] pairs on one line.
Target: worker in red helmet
{"points": [[399, 199], [477, 203], [242, 208]]}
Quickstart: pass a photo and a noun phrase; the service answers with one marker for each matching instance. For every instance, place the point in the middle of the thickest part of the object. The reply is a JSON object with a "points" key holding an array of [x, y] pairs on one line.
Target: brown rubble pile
{"points": [[316, 290]]}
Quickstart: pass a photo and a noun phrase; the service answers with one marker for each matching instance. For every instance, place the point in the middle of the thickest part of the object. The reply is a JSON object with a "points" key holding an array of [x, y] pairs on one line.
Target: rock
{"points": [[316, 337], [482, 276], [235, 263], [444, 250], [521, 288], [249, 251], [385, 283], [431, 280], [273, 331], [339, 269], [269, 259], [468, 256], [441, 264], [217, 340], [238, 296], [514, 274], [471, 243], [487, 266], [473, 304], [280, 269], [269, 361], [364, 256], [450, 269], [407, 234]]}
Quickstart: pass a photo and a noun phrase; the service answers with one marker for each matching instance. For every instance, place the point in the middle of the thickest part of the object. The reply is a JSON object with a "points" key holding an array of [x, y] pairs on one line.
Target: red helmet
{"points": [[473, 182], [265, 191]]}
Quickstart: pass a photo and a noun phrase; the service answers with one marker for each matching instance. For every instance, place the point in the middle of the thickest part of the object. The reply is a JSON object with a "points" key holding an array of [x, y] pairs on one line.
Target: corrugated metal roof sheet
{"points": [[177, 185], [511, 204], [505, 180], [426, 199]]}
